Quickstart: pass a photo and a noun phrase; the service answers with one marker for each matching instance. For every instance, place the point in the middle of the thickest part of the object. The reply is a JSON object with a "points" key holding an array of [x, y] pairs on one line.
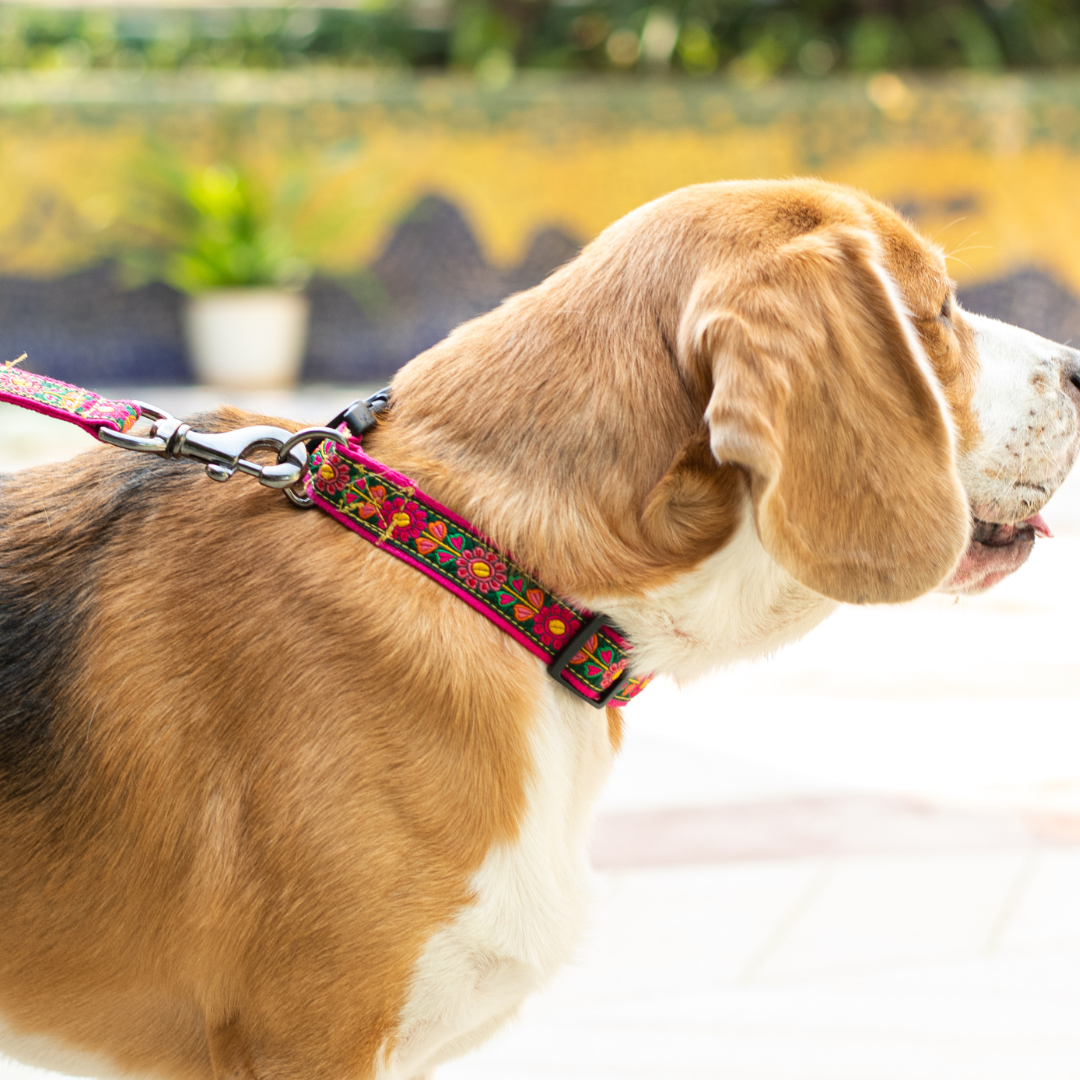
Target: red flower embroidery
{"points": [[554, 624], [481, 569], [332, 475], [611, 673], [406, 519]]}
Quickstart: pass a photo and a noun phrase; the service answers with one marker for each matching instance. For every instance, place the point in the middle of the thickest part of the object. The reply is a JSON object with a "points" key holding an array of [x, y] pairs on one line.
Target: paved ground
{"points": [[858, 859]]}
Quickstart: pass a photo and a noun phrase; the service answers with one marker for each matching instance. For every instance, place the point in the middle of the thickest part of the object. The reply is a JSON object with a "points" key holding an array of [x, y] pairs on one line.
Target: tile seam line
{"points": [[1014, 898], [803, 902]]}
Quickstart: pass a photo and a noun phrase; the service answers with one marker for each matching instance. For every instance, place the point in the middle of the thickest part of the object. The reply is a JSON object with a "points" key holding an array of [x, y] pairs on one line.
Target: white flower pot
{"points": [[247, 339]]}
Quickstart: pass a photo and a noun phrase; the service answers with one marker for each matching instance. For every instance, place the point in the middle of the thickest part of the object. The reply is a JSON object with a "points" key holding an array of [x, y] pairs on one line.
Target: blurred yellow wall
{"points": [[987, 166]]}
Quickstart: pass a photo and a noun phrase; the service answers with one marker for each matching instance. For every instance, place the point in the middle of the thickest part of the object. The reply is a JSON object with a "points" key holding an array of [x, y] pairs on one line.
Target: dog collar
{"points": [[583, 651]]}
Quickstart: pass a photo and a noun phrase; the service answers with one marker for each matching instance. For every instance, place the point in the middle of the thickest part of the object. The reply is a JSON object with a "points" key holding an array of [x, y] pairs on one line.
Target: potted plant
{"points": [[215, 236]]}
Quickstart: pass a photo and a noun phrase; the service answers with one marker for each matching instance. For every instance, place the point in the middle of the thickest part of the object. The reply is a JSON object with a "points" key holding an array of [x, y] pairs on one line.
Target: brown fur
{"points": [[269, 757], [597, 395], [785, 386], [248, 753]]}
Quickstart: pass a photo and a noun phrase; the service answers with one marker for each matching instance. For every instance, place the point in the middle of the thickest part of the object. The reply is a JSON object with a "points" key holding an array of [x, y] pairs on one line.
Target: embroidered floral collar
{"points": [[583, 651]]}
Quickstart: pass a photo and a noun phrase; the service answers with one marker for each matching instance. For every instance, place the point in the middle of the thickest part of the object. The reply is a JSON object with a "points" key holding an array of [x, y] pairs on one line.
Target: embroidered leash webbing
{"points": [[62, 401], [384, 507]]}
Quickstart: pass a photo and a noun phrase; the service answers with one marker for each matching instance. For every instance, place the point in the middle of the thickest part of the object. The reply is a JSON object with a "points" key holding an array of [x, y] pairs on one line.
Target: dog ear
{"points": [[821, 391]]}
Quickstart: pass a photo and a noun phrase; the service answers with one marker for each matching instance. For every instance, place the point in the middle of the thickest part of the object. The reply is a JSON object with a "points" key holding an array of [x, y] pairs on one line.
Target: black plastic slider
{"points": [[566, 654], [360, 416]]}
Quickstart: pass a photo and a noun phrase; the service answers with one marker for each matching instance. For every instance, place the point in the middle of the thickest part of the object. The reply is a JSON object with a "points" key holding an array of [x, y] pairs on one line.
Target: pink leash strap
{"points": [[62, 401]]}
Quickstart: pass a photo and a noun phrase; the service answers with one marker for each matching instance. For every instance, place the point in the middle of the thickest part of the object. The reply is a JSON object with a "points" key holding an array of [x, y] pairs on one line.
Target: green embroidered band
{"points": [[581, 650]]}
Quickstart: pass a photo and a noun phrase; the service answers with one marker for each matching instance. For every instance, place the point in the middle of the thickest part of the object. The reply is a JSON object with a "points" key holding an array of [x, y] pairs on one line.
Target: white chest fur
{"points": [[531, 904], [532, 896], [45, 1052], [736, 605]]}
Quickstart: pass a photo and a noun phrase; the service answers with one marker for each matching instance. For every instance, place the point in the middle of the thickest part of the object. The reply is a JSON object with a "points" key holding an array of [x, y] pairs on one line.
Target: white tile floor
{"points": [[863, 969], [946, 947]]}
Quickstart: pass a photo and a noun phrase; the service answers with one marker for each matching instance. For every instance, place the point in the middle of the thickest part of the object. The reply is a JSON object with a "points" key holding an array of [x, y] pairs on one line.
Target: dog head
{"points": [[740, 404], [893, 443]]}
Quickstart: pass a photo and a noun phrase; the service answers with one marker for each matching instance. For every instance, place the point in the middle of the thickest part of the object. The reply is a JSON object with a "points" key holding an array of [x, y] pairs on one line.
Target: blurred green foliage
{"points": [[749, 39], [207, 228]]}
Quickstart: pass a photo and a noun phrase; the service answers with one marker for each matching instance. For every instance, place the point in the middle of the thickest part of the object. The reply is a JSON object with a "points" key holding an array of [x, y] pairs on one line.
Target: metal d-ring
{"points": [[304, 435]]}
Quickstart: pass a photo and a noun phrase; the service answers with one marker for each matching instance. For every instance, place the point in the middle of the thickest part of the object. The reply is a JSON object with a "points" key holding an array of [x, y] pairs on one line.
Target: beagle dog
{"points": [[275, 806]]}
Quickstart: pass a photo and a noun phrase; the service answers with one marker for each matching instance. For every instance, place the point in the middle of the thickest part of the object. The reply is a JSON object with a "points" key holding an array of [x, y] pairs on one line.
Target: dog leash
{"points": [[326, 467]]}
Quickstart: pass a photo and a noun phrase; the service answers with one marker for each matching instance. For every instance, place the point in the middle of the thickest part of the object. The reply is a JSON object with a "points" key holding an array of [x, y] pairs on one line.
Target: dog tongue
{"points": [[1040, 526]]}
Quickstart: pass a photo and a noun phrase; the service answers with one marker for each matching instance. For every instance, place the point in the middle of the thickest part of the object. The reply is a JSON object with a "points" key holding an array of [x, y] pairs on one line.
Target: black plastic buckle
{"points": [[359, 417], [566, 654]]}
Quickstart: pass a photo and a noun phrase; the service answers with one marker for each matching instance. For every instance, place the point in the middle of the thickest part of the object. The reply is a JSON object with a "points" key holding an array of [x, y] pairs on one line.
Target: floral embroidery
{"points": [[88, 409], [600, 661], [585, 650], [397, 517], [404, 518], [19, 382], [481, 569], [554, 624], [332, 475], [611, 674]]}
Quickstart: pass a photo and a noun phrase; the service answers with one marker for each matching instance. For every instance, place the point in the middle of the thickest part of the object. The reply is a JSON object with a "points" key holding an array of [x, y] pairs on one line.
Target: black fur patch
{"points": [[53, 536], [36, 637]]}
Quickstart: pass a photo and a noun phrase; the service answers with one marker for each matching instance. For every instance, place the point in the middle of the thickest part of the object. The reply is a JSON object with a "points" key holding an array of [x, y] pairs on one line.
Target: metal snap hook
{"points": [[223, 452], [153, 443]]}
